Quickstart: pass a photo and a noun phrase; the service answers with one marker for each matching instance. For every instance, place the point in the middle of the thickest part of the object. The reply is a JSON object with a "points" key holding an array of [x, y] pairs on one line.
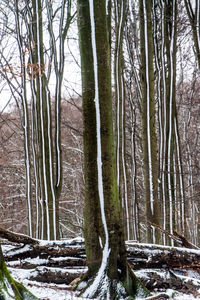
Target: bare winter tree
{"points": [[38, 62]]}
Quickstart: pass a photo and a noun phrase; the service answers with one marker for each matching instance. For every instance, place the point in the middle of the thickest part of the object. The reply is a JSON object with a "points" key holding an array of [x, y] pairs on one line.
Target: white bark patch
{"points": [[124, 164], [107, 1], [51, 165], [159, 70], [180, 175], [34, 117], [198, 37]]}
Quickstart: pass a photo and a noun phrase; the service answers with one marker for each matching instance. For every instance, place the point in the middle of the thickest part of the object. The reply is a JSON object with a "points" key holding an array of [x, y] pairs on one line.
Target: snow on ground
{"points": [[44, 291], [50, 291], [173, 295]]}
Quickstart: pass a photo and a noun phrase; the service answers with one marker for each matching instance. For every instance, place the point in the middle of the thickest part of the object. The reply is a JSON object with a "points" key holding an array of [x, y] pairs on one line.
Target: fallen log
{"points": [[72, 253], [55, 262], [153, 279], [56, 275], [53, 254], [17, 237], [147, 256], [162, 279]]}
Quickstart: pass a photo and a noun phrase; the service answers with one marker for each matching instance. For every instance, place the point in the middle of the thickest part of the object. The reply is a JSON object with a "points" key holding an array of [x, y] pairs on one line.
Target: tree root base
{"points": [[108, 288]]}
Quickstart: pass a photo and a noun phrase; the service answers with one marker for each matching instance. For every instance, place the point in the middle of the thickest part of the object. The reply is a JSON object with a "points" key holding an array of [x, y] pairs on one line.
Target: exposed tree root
{"points": [[112, 288]]}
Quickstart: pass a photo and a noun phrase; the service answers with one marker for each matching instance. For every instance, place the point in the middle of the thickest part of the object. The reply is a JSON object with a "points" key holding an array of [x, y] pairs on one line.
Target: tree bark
{"points": [[104, 237], [149, 141], [194, 18]]}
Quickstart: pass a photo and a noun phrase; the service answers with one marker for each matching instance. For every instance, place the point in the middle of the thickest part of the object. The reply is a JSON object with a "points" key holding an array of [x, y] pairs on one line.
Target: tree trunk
{"points": [[148, 121], [49, 209], [104, 237], [120, 108], [194, 18]]}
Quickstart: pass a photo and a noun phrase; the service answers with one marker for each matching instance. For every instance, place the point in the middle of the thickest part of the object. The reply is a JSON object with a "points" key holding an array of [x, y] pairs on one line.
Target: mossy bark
{"points": [[94, 227], [9, 288]]}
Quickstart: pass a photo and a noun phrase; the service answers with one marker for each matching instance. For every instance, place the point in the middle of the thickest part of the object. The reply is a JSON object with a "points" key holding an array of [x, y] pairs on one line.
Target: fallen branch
{"points": [[180, 239]]}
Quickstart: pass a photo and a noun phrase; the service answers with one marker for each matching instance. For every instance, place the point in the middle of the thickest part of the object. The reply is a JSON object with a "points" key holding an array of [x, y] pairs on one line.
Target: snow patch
{"points": [[26, 248]]}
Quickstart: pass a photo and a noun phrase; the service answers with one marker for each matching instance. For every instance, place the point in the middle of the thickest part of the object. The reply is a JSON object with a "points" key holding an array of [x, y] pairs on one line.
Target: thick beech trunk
{"points": [[104, 237]]}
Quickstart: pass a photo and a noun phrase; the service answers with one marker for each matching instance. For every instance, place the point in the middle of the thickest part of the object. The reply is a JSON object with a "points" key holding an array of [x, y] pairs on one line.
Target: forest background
{"points": [[155, 64]]}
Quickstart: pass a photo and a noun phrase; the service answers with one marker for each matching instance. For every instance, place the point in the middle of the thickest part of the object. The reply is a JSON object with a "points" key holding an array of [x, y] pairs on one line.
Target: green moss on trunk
{"points": [[113, 276], [129, 288], [11, 289]]}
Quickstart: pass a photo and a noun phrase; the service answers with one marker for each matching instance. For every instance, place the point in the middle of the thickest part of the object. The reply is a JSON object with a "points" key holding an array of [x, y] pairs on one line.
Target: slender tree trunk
{"points": [[25, 119], [45, 149], [148, 121], [120, 95]]}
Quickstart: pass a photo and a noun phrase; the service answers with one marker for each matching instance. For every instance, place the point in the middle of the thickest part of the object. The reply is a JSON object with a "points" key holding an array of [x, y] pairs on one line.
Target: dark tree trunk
{"points": [[149, 140], [104, 236]]}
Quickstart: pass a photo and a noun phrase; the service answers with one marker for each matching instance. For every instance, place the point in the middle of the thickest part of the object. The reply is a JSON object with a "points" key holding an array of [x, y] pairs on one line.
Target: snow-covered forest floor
{"points": [[48, 269], [46, 291]]}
